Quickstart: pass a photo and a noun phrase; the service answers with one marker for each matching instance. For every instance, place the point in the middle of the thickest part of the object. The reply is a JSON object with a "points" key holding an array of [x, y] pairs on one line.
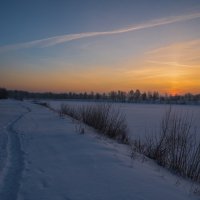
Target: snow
{"points": [[143, 119], [58, 163]]}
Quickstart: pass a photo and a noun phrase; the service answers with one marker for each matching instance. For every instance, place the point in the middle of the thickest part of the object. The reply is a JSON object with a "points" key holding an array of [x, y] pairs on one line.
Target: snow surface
{"points": [[44, 157], [144, 119]]}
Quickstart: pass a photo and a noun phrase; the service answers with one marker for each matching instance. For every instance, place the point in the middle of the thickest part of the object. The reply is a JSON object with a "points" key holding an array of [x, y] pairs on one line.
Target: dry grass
{"points": [[103, 117], [175, 147]]}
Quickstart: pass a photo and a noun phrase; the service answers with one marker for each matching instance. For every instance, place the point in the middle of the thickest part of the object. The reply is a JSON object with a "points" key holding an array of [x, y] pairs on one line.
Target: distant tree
{"points": [[188, 97], [197, 97], [149, 96], [104, 96], [97, 96], [131, 95], [121, 96], [91, 95], [155, 96], [137, 95], [144, 96], [85, 95], [3, 93], [113, 95]]}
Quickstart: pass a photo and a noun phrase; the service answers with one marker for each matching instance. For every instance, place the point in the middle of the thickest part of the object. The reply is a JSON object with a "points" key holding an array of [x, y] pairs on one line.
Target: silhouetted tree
{"points": [[149, 96], [3, 93], [144, 96], [131, 95], [137, 95], [155, 96], [113, 95]]}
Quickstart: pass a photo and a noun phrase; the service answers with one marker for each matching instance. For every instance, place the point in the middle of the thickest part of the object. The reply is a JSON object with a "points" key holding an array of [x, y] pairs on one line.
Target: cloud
{"points": [[51, 41], [185, 54], [168, 63], [187, 45]]}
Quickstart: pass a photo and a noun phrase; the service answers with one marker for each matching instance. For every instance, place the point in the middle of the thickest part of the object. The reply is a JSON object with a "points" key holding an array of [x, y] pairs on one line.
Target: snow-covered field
{"points": [[145, 119], [42, 156]]}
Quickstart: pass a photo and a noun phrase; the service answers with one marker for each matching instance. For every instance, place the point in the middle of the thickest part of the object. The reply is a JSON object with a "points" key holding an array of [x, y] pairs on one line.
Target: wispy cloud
{"points": [[168, 63], [51, 41], [186, 45], [179, 54]]}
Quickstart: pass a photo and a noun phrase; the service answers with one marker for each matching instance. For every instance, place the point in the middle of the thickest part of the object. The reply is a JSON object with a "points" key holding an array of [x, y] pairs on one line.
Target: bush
{"points": [[103, 117], [175, 147], [65, 109]]}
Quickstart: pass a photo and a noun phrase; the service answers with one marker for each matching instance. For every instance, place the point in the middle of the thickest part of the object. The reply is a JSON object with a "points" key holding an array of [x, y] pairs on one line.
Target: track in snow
{"points": [[15, 162]]}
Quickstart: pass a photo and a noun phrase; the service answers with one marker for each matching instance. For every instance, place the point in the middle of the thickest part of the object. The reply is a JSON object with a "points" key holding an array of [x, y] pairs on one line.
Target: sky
{"points": [[100, 45]]}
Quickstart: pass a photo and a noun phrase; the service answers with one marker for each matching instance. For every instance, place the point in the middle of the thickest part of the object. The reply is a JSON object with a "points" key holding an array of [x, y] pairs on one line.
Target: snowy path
{"points": [[14, 163], [49, 160]]}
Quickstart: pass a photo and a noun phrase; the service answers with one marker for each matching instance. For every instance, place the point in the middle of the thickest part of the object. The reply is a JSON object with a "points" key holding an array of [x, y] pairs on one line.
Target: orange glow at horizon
{"points": [[174, 69], [103, 80]]}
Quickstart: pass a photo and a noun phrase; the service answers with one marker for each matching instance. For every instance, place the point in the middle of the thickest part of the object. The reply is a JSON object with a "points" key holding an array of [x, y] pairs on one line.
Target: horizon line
{"points": [[98, 92]]}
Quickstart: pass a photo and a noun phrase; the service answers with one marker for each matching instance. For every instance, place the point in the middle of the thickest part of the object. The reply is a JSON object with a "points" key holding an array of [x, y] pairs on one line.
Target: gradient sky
{"points": [[90, 45]]}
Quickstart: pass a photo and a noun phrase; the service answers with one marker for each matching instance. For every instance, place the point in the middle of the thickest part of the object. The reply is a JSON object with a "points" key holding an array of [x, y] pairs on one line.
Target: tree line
{"points": [[114, 96]]}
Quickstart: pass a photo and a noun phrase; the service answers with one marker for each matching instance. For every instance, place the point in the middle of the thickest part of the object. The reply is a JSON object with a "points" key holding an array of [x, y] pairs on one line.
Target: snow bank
{"points": [[62, 164], [144, 119]]}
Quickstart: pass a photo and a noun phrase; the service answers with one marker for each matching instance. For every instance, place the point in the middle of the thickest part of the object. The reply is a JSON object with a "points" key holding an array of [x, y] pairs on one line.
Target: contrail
{"points": [[51, 41]]}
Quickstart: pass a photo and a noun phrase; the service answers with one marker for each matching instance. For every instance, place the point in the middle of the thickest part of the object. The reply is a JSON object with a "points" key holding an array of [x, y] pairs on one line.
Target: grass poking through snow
{"points": [[103, 117]]}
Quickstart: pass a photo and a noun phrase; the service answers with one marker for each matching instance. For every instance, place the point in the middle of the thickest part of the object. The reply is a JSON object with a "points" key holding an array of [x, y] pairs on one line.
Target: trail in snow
{"points": [[15, 162], [48, 160]]}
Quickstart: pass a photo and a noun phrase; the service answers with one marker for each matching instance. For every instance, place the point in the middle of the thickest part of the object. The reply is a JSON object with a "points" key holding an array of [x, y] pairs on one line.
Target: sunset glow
{"points": [[118, 49]]}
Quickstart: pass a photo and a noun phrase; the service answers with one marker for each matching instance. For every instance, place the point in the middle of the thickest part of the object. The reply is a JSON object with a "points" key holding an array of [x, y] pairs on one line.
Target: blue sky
{"points": [[77, 45]]}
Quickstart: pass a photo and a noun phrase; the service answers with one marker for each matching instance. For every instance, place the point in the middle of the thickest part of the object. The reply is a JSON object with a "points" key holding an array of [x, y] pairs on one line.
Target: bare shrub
{"points": [[66, 109], [103, 117], [79, 127], [175, 147], [195, 189]]}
